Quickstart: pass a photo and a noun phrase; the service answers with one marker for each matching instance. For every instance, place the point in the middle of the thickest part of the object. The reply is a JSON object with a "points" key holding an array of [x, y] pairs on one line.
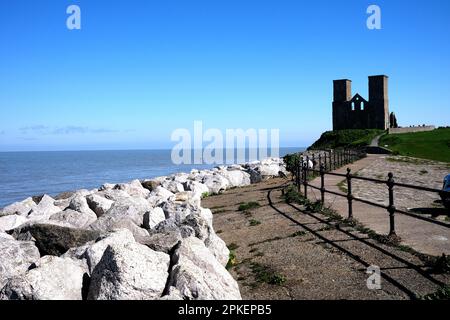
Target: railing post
{"points": [[391, 207], [334, 160], [313, 161], [322, 184], [298, 172], [305, 182], [320, 159], [349, 194]]}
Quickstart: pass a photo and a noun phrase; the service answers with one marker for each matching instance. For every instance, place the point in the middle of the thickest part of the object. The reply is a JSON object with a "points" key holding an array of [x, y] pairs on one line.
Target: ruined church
{"points": [[355, 112]]}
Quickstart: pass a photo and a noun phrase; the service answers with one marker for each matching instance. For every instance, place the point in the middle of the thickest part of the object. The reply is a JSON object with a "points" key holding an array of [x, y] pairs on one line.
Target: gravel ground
{"points": [[284, 252]]}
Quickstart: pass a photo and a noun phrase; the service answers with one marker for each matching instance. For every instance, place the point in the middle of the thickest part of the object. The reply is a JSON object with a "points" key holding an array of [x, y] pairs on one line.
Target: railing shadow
{"points": [[347, 252]]}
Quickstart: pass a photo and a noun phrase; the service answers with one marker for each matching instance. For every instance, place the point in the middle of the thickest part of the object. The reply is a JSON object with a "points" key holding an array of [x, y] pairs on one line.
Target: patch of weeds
{"points": [[254, 222], [205, 195], [298, 234], [265, 274], [248, 206], [314, 206], [442, 293], [231, 260], [291, 195], [232, 246], [447, 218], [342, 186]]}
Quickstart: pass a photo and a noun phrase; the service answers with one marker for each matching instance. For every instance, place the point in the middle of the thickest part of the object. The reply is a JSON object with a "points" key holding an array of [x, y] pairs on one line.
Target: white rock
{"points": [[11, 222], [73, 218], [216, 183], [153, 218], [20, 208], [236, 178], [15, 257], [79, 203], [108, 223], [44, 209], [173, 186], [199, 276], [54, 278], [93, 253], [133, 188], [99, 204], [129, 271]]}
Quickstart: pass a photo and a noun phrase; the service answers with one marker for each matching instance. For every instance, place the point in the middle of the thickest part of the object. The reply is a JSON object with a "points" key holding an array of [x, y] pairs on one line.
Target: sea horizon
{"points": [[33, 173]]}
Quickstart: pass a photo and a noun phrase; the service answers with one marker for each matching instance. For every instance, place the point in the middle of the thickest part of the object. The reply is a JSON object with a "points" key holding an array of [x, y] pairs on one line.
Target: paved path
{"points": [[423, 236], [376, 140], [316, 258]]}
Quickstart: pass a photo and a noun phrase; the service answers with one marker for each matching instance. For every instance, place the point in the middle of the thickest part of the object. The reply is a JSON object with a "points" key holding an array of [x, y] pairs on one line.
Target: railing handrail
{"points": [[341, 158]]}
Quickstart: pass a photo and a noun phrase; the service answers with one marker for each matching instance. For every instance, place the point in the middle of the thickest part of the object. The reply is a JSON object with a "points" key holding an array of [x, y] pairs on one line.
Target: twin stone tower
{"points": [[355, 112]]}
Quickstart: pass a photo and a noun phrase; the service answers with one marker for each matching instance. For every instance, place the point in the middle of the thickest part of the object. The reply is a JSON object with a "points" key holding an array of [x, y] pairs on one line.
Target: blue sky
{"points": [[137, 70]]}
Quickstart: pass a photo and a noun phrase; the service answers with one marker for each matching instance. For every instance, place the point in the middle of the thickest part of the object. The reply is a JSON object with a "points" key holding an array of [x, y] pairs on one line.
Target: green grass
{"points": [[265, 274], [432, 145], [232, 261], [345, 138], [254, 222], [248, 206], [342, 186]]}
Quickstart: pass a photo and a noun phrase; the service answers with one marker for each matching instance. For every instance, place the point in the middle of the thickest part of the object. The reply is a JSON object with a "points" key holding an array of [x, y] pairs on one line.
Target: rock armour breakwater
{"points": [[147, 239]]}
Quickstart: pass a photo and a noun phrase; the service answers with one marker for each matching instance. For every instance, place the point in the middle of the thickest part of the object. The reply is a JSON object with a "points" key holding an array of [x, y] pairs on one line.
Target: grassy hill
{"points": [[433, 145], [345, 138]]}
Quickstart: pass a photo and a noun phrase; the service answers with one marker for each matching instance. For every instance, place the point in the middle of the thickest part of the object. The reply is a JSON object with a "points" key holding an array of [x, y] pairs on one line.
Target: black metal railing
{"points": [[306, 169]]}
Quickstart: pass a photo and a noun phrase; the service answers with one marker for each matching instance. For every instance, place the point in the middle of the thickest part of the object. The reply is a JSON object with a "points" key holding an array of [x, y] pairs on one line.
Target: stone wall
{"points": [[410, 129]]}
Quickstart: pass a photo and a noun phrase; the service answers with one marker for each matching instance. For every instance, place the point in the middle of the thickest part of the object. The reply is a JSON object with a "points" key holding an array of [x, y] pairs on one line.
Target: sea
{"points": [[25, 174]]}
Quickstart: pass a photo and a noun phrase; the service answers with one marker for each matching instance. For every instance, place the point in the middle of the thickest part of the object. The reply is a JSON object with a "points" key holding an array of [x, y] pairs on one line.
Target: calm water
{"points": [[24, 174]]}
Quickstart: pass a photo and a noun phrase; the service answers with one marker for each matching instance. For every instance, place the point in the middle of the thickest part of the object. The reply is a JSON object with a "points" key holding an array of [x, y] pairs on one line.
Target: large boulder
{"points": [[53, 278], [44, 209], [15, 257], [72, 218], [236, 177], [21, 208], [153, 217], [94, 252], [53, 239], [132, 208], [199, 276], [215, 183], [80, 204], [107, 223], [202, 225], [162, 241], [99, 204], [11, 221], [133, 188], [129, 271], [173, 186]]}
